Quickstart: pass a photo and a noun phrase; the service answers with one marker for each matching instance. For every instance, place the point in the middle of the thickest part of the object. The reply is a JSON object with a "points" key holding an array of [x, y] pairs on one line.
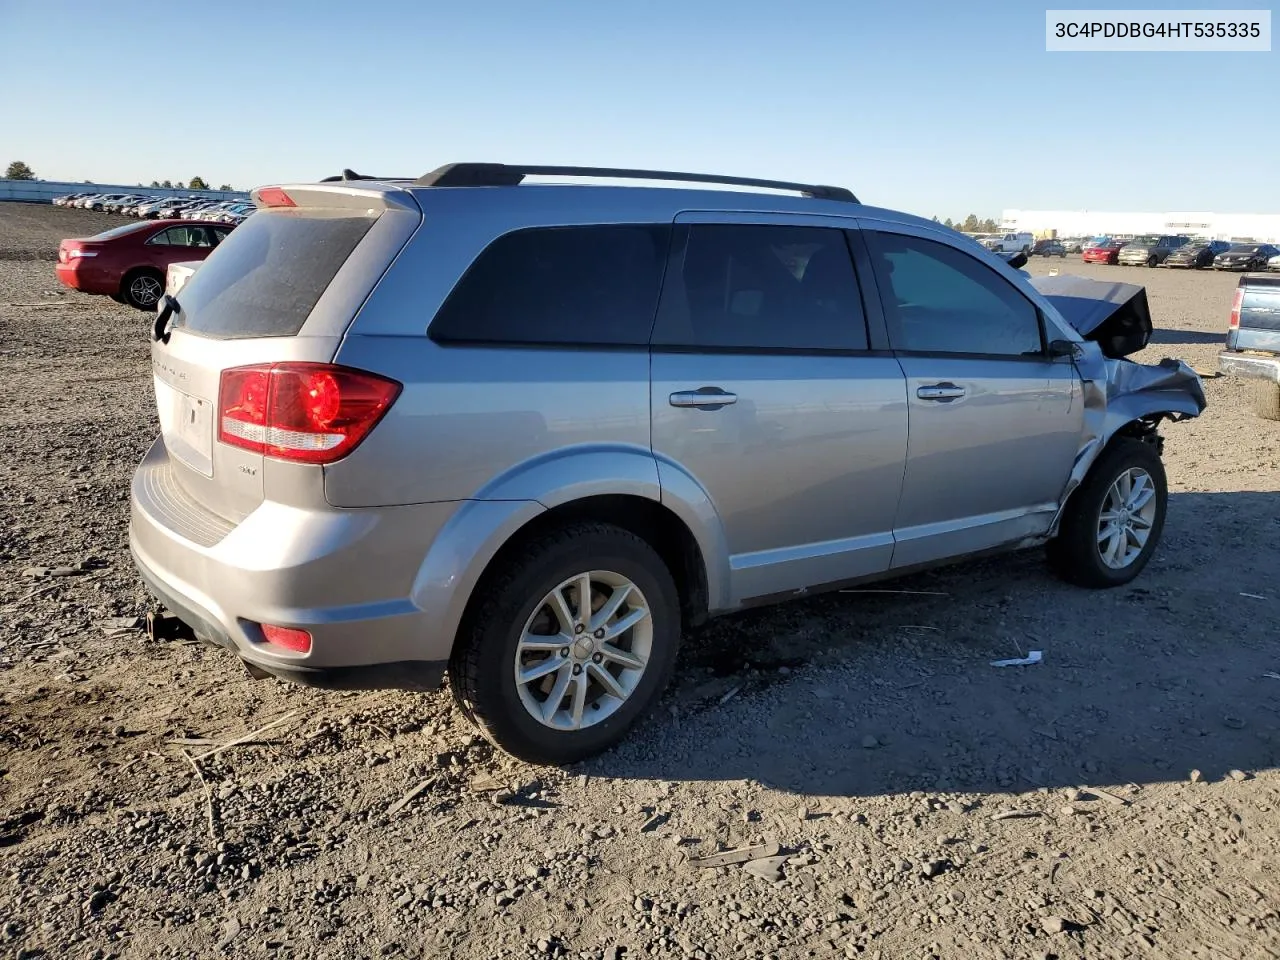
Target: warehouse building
{"points": [[1261, 227]]}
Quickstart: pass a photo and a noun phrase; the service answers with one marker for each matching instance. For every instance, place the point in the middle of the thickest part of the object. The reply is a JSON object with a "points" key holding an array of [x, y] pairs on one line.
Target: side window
{"points": [[163, 238], [219, 234], [938, 299], [547, 285], [758, 286]]}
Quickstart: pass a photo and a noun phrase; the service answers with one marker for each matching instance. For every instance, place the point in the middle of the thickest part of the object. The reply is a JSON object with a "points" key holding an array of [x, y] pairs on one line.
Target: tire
{"points": [[1076, 554], [1266, 399], [487, 656], [1153, 260], [118, 298], [142, 288]]}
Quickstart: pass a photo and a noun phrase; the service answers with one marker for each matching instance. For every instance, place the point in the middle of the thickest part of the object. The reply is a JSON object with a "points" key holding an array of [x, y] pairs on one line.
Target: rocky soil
{"points": [[1118, 799]]}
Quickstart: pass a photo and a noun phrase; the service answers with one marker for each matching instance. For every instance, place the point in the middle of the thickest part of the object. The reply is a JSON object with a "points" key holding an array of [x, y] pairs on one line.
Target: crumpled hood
{"points": [[1113, 315]]}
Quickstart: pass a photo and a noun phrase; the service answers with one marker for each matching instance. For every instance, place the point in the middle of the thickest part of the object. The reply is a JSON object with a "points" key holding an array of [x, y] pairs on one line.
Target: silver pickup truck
{"points": [[1253, 340]]}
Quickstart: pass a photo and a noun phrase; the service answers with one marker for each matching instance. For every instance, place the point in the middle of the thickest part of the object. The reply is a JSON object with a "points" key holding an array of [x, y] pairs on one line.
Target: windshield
{"points": [[1244, 248], [1145, 241]]}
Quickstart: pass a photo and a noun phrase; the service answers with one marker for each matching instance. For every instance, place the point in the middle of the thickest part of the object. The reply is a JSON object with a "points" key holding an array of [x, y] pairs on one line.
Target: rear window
{"points": [[559, 285], [266, 277], [127, 229]]}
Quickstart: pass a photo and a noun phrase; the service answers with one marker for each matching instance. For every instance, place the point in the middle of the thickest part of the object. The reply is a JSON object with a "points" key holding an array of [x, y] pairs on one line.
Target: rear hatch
{"points": [[283, 287], [1255, 314]]}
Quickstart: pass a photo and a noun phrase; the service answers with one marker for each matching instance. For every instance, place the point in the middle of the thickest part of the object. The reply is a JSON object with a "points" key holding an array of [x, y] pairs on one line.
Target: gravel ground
{"points": [[1119, 799]]}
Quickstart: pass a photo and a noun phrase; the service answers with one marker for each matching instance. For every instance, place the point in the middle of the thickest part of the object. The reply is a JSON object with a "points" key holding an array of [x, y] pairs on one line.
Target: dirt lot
{"points": [[1119, 799]]}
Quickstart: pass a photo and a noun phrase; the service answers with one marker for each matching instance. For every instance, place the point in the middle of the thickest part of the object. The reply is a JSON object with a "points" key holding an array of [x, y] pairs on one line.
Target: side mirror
{"points": [[1064, 348], [1018, 260]]}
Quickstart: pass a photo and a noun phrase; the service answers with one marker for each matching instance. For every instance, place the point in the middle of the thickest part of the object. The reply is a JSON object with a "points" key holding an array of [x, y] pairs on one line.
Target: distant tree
{"points": [[19, 171], [936, 220], [970, 224], [155, 183], [948, 224], [197, 183], [179, 185], [988, 226], [226, 186], [168, 185]]}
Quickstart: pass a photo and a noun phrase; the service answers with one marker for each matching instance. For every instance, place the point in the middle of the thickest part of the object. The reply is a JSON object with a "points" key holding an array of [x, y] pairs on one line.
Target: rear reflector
{"points": [[1235, 307], [299, 641], [303, 412], [275, 197]]}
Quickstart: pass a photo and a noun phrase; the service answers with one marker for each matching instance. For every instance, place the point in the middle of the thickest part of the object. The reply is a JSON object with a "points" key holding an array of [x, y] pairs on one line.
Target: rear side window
{"points": [[763, 287], [266, 277], [551, 285], [939, 299]]}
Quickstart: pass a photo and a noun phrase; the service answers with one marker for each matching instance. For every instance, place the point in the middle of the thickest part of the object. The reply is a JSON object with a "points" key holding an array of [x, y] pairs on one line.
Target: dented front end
{"points": [[1119, 394]]}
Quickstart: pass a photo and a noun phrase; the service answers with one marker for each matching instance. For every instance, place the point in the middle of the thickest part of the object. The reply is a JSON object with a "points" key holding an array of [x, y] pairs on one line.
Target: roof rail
{"points": [[506, 175], [348, 174]]}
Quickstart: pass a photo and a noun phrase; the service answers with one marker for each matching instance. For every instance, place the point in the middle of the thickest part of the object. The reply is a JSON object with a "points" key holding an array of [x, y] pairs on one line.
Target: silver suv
{"points": [[535, 432]]}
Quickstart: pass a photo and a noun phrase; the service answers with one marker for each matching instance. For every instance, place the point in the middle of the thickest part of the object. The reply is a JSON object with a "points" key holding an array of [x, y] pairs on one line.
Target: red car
{"points": [[1105, 252], [129, 263]]}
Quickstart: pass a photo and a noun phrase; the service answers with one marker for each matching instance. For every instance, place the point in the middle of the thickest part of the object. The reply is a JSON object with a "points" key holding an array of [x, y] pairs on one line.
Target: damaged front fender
{"points": [[1115, 321]]}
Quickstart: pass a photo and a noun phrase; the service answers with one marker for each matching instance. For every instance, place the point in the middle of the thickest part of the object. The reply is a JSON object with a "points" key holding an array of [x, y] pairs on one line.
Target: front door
{"points": [[765, 392], [994, 423]]}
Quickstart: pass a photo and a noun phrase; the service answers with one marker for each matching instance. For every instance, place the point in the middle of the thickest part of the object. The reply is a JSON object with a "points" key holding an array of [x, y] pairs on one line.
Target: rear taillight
{"points": [[299, 641], [1235, 307], [304, 412]]}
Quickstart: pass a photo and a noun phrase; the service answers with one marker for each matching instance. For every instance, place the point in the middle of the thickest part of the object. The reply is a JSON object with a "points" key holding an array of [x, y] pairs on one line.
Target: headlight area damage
{"points": [[1115, 321]]}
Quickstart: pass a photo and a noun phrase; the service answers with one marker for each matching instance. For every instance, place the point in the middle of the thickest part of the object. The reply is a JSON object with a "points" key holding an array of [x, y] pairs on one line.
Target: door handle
{"points": [[708, 398], [940, 391]]}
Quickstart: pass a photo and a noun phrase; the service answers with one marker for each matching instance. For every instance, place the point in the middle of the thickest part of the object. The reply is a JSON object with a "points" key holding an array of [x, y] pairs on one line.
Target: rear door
{"points": [[284, 286], [768, 389], [994, 423]]}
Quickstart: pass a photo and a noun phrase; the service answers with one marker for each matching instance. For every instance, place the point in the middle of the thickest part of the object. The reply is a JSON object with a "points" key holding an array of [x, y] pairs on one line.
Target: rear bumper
{"points": [[345, 576], [74, 274], [1250, 365]]}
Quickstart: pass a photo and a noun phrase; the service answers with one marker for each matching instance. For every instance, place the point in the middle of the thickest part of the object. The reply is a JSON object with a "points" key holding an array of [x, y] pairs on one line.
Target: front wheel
{"points": [[1113, 521], [568, 644]]}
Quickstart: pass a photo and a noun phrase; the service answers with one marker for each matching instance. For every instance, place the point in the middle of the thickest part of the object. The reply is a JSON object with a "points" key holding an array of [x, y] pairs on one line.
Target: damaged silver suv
{"points": [[535, 432]]}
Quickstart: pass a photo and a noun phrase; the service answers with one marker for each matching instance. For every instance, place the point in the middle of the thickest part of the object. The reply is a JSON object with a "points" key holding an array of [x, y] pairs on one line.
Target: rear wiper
{"points": [[167, 310]]}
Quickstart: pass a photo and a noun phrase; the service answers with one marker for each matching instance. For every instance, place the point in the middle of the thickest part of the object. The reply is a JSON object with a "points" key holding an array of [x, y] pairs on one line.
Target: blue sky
{"points": [[932, 107]]}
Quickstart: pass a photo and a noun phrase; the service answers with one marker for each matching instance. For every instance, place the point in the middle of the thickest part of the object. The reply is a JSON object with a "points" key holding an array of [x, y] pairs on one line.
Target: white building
{"points": [[1262, 227]]}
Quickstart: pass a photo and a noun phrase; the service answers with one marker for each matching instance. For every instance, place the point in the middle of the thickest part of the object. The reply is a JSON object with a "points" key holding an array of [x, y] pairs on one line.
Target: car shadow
{"points": [[1187, 337], [860, 694]]}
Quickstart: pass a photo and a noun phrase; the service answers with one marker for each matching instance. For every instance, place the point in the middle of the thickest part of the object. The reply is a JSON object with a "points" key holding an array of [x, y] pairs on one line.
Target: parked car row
{"points": [[1176, 251], [150, 207]]}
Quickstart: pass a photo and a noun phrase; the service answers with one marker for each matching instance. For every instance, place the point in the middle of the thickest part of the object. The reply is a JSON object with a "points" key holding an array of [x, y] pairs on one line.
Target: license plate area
{"points": [[187, 425]]}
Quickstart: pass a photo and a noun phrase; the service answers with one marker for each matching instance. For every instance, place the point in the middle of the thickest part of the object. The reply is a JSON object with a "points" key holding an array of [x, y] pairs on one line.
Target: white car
{"points": [[178, 274], [1010, 243], [1274, 262]]}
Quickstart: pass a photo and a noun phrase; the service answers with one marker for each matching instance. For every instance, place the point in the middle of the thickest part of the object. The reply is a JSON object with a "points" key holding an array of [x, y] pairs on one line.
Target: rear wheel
{"points": [[142, 289], [1113, 521], [568, 644], [1266, 399], [1152, 260]]}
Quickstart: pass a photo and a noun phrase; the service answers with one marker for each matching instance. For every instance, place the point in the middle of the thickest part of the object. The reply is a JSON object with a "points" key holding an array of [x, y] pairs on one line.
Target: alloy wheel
{"points": [[1126, 518], [583, 650]]}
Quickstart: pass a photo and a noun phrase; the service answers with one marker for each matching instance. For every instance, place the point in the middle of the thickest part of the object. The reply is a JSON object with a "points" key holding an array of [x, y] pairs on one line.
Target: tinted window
{"points": [[940, 300], [581, 285], [763, 287], [265, 278]]}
